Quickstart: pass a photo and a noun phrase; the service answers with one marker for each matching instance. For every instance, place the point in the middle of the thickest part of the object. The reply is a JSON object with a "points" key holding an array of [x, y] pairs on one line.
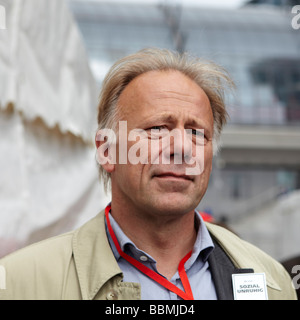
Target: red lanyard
{"points": [[186, 295]]}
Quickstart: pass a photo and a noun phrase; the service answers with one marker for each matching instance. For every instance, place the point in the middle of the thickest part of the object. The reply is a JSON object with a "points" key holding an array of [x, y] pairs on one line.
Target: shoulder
{"points": [[58, 267], [41, 265], [245, 255], [41, 250]]}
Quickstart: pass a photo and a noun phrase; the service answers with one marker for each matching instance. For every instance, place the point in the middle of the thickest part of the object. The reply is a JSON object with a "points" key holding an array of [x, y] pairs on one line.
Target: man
{"points": [[160, 117]]}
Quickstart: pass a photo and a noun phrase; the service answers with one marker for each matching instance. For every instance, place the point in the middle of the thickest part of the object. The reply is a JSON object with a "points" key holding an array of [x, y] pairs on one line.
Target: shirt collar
{"points": [[125, 243], [203, 245], [202, 248]]}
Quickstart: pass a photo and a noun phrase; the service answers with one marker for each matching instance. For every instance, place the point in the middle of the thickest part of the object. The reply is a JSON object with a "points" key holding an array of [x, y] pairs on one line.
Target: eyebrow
{"points": [[170, 118]]}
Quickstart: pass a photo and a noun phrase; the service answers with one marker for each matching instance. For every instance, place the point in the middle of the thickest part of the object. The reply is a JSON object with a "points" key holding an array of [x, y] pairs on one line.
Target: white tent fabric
{"points": [[44, 67], [48, 98]]}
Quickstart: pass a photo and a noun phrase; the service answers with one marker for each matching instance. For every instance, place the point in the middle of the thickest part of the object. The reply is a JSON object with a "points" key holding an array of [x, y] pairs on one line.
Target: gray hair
{"points": [[212, 78]]}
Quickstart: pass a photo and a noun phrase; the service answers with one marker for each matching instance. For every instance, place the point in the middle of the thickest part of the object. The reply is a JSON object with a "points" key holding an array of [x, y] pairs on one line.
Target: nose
{"points": [[176, 147]]}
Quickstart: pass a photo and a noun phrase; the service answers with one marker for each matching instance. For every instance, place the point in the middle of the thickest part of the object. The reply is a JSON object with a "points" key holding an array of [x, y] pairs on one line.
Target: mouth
{"points": [[173, 176]]}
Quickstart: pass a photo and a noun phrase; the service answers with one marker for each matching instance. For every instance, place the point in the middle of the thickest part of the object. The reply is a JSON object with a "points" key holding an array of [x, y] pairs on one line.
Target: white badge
{"points": [[249, 286]]}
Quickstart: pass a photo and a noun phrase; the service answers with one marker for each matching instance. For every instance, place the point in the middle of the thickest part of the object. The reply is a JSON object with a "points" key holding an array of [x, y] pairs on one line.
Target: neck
{"points": [[167, 238]]}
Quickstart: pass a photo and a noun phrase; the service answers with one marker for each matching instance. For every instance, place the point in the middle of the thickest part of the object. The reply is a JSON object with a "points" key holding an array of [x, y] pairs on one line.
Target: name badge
{"points": [[249, 286]]}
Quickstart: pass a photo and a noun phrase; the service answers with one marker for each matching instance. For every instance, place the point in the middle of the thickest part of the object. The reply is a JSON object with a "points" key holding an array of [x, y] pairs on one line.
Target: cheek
{"points": [[208, 156], [154, 151], [203, 166], [138, 152], [132, 158], [124, 179]]}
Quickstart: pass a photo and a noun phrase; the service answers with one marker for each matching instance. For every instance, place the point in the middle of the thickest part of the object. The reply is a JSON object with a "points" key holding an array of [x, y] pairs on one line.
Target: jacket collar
{"points": [[240, 254], [94, 260]]}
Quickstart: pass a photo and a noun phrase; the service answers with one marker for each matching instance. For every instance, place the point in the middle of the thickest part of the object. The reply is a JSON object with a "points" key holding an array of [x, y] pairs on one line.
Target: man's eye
{"points": [[157, 132], [157, 128], [198, 132], [197, 135]]}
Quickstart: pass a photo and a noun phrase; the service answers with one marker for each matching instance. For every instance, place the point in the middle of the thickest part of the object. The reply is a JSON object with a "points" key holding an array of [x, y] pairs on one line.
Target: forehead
{"points": [[163, 91], [159, 82]]}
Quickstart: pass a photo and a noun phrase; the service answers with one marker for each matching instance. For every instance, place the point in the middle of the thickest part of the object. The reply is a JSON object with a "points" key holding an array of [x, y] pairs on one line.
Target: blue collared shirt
{"points": [[197, 266]]}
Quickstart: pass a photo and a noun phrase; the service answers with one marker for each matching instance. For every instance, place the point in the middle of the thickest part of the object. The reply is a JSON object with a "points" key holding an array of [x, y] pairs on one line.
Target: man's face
{"points": [[164, 101]]}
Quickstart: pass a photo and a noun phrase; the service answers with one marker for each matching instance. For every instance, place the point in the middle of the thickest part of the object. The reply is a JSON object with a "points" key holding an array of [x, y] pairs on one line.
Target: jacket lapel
{"points": [[222, 269]]}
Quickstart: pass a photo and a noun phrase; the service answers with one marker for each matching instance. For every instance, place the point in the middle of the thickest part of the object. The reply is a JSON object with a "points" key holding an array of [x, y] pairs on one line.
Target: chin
{"points": [[175, 204]]}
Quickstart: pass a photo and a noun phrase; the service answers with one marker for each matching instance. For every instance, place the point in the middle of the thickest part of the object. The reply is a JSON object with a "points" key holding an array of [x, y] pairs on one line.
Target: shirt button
{"points": [[112, 295], [143, 258]]}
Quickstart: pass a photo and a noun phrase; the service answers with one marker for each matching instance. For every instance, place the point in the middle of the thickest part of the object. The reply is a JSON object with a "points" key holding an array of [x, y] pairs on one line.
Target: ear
{"points": [[106, 150]]}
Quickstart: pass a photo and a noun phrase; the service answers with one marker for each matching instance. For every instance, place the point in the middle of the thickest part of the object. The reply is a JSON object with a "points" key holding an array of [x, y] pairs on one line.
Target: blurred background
{"points": [[53, 58]]}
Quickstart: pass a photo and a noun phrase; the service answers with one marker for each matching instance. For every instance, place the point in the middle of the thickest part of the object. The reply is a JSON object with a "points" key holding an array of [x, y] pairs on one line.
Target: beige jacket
{"points": [[81, 265]]}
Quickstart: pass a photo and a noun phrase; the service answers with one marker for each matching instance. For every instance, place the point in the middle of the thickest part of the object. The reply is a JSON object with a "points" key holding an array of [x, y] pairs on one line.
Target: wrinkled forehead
{"points": [[168, 91]]}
